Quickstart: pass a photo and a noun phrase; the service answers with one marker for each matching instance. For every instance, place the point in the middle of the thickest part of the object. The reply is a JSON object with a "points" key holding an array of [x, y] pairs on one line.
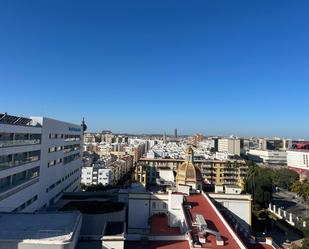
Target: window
{"points": [[164, 205], [71, 158], [5, 182], [52, 149], [18, 178], [153, 205]]}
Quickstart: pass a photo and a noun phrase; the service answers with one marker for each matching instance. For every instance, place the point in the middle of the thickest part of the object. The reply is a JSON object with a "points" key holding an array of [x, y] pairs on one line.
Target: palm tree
{"points": [[251, 175]]}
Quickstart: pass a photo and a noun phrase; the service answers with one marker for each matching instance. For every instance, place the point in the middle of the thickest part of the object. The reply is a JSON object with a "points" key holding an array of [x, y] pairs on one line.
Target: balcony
{"points": [[14, 183], [12, 143], [5, 165]]}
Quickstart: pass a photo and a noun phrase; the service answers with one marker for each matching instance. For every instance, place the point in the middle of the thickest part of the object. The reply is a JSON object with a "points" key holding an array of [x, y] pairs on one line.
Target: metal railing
{"points": [[12, 143], [6, 165], [12, 189]]}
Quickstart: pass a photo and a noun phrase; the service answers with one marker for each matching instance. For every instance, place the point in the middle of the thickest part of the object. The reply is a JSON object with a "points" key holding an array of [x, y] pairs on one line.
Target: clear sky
{"points": [[211, 66]]}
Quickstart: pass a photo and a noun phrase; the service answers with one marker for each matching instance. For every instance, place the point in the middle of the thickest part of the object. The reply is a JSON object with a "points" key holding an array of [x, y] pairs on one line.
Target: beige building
{"points": [[230, 172], [229, 145], [145, 174]]}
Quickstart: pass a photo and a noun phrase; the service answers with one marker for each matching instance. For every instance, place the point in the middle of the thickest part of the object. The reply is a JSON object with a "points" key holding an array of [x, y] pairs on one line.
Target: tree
{"points": [[304, 190], [259, 183], [305, 243], [296, 187], [301, 189], [284, 178]]}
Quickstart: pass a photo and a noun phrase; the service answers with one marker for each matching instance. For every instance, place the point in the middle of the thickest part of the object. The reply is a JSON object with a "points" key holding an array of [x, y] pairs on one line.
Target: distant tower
{"points": [[175, 133], [164, 138], [83, 125]]}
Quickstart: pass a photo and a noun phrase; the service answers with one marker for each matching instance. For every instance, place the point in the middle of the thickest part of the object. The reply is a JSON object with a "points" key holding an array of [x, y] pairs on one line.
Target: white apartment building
{"points": [[97, 175], [268, 156], [107, 172], [40, 158], [298, 160], [229, 145]]}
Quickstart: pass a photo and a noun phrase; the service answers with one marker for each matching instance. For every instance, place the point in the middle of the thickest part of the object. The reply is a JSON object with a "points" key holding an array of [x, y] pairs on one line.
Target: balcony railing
{"points": [[14, 188], [11, 143], [6, 165]]}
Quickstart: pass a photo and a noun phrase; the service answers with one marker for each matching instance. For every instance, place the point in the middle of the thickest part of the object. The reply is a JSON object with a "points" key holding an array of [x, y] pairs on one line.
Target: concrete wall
{"points": [[239, 205], [113, 244], [50, 175], [93, 224], [139, 212]]}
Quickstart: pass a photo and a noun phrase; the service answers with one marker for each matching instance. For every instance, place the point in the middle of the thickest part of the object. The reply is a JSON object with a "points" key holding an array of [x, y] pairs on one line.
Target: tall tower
{"points": [[164, 138], [175, 133]]}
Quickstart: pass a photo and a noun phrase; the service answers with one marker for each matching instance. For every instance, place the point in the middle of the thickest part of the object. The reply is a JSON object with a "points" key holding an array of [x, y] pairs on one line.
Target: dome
{"points": [[187, 172]]}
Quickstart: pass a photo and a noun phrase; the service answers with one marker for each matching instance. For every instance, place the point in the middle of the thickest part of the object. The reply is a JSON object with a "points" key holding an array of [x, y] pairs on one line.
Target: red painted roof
{"points": [[200, 205], [157, 245], [159, 226]]}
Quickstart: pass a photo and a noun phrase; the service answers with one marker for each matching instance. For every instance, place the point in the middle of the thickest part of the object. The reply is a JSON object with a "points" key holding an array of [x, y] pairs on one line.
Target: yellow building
{"points": [[213, 171]]}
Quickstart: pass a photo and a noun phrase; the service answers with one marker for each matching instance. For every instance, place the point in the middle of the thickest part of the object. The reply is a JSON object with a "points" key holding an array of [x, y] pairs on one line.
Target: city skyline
{"points": [[218, 68]]}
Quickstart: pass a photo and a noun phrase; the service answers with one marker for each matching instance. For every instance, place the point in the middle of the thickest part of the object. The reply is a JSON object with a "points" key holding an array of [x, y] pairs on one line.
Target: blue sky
{"points": [[210, 66]]}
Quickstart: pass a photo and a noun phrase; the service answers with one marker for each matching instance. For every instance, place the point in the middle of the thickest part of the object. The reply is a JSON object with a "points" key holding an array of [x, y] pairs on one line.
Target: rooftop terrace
{"points": [[16, 120], [43, 227], [201, 205]]}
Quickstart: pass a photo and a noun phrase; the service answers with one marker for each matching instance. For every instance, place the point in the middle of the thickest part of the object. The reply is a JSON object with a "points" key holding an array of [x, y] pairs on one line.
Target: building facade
{"points": [[229, 145], [229, 172], [268, 156], [298, 160], [107, 172], [40, 158]]}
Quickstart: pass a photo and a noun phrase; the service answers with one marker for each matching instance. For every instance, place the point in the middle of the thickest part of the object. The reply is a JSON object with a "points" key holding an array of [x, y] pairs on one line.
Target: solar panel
{"points": [[9, 119]]}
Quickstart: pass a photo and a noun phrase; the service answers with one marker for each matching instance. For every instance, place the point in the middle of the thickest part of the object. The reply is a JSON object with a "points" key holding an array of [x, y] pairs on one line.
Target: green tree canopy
{"points": [[284, 178]]}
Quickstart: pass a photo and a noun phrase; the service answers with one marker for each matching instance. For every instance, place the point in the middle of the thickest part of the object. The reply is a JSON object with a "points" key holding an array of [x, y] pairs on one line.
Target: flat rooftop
{"points": [[42, 227], [200, 205], [93, 207]]}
